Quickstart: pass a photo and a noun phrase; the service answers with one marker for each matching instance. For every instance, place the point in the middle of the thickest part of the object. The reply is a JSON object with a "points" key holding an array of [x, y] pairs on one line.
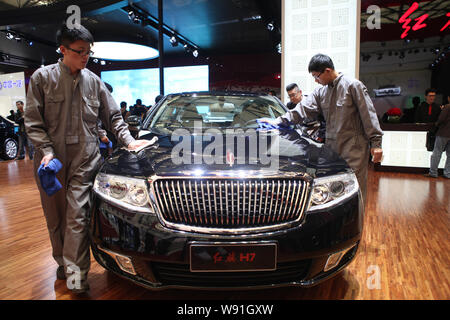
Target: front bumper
{"points": [[160, 256]]}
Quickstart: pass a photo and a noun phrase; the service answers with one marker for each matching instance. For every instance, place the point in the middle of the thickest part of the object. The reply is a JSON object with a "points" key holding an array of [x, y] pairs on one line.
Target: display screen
{"points": [[129, 85]]}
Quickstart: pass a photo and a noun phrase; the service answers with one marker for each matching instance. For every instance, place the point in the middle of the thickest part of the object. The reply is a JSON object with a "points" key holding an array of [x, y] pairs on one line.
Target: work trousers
{"points": [[441, 144], [67, 211]]}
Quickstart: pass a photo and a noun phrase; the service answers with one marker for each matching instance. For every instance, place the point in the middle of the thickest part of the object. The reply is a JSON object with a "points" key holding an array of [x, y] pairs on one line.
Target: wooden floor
{"points": [[404, 254]]}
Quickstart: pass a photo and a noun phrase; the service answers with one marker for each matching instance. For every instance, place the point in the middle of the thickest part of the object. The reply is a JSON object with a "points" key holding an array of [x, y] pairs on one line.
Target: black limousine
{"points": [[222, 201]]}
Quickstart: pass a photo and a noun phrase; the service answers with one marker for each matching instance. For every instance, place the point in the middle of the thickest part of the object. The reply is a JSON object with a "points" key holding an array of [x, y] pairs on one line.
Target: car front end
{"points": [[234, 224]]}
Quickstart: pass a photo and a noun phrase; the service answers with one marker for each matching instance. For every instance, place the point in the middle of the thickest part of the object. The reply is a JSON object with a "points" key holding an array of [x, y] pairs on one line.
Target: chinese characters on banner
{"points": [[405, 20], [11, 84]]}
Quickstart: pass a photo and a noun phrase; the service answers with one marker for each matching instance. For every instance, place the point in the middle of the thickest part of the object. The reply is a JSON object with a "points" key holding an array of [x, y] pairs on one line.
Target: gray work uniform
{"points": [[62, 118], [351, 121]]}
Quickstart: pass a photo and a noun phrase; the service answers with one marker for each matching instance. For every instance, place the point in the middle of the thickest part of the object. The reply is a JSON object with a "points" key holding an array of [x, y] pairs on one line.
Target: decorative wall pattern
{"points": [[319, 26]]}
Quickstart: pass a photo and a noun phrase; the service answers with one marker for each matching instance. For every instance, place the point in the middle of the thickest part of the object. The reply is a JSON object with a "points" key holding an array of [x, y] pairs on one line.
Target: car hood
{"points": [[296, 155]]}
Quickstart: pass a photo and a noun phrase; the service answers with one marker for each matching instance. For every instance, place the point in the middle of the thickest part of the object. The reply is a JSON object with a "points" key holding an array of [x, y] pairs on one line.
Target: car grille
{"points": [[230, 204], [179, 274]]}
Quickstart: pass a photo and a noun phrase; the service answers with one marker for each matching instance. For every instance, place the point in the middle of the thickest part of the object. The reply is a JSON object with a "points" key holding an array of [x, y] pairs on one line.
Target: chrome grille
{"points": [[230, 204]]}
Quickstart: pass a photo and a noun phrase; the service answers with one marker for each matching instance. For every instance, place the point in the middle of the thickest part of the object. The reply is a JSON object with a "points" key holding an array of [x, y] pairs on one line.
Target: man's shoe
{"points": [[60, 273], [84, 288], [428, 175]]}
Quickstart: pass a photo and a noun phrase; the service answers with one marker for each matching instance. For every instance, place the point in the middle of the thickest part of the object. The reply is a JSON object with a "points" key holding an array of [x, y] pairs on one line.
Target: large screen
{"points": [[129, 85]]}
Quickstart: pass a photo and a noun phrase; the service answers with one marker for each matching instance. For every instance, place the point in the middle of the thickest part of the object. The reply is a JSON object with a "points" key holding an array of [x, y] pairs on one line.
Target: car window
{"points": [[213, 112]]}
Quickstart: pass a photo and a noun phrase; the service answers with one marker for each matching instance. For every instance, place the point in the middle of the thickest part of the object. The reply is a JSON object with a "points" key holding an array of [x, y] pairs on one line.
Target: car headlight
{"points": [[328, 191], [129, 193]]}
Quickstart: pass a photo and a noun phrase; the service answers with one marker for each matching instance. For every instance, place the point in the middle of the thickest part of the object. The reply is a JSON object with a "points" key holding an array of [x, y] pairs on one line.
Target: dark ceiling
{"points": [[214, 26]]}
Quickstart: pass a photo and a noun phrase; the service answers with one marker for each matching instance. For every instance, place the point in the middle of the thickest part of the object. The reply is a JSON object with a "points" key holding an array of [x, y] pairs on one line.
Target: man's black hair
{"points": [[291, 86], [66, 36], [109, 87], [319, 63], [429, 90], [20, 102], [158, 97]]}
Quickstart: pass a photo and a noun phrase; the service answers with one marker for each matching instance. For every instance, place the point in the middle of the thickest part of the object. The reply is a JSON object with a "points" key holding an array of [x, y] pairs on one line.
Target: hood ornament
{"points": [[230, 158]]}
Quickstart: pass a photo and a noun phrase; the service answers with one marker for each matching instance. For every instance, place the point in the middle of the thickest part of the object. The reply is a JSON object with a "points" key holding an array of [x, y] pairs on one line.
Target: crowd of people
{"points": [[138, 109]]}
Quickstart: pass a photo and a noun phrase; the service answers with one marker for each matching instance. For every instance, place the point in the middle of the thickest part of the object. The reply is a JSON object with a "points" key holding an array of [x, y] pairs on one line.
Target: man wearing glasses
{"points": [[352, 127], [428, 111], [64, 103]]}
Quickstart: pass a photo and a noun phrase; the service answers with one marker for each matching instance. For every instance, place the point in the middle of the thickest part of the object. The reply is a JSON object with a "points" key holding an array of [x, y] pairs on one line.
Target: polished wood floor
{"points": [[404, 254]]}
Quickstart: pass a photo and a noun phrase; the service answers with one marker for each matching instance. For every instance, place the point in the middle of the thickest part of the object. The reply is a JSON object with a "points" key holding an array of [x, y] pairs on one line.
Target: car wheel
{"points": [[10, 149]]}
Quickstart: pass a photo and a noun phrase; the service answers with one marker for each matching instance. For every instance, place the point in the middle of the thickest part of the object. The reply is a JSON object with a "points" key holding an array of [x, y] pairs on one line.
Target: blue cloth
{"points": [[267, 126], [47, 175], [104, 146]]}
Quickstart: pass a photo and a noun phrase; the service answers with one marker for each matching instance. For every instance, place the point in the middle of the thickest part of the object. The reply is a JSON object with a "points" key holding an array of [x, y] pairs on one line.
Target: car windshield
{"points": [[210, 111]]}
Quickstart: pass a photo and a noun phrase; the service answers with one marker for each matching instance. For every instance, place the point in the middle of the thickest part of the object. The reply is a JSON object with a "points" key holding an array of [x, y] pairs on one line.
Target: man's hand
{"points": [[137, 144], [377, 154], [46, 159]]}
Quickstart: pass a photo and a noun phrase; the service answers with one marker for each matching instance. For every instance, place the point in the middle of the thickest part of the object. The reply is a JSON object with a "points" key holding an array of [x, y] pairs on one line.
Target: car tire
{"points": [[10, 148]]}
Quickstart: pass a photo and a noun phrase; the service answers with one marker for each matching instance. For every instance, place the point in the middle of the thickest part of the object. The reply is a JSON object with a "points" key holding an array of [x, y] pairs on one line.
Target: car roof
{"points": [[220, 93]]}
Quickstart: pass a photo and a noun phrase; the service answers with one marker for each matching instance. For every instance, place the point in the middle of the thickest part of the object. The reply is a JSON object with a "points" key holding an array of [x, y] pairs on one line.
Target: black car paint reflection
{"points": [[160, 255]]}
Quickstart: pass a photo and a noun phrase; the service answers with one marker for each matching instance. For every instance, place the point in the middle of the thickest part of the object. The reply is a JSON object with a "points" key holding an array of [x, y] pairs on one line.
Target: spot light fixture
{"points": [[173, 41]]}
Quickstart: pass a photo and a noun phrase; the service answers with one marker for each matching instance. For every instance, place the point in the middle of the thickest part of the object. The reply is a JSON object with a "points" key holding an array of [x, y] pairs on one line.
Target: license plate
{"points": [[221, 257]]}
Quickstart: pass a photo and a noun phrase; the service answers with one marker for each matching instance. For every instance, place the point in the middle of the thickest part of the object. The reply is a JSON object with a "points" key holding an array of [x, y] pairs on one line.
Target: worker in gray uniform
{"points": [[64, 102], [352, 127]]}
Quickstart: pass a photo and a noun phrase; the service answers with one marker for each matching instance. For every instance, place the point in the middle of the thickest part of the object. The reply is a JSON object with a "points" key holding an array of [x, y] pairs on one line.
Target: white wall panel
{"points": [[318, 26]]}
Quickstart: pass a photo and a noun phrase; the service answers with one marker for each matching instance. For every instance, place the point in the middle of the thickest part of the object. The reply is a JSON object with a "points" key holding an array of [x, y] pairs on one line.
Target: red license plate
{"points": [[220, 257]]}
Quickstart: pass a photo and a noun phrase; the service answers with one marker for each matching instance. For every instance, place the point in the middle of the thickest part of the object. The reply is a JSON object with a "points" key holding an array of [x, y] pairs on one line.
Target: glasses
{"points": [[82, 52], [317, 76]]}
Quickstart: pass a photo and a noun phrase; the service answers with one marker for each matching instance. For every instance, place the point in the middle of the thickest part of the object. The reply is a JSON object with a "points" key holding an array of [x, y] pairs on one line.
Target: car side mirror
{"points": [[134, 125]]}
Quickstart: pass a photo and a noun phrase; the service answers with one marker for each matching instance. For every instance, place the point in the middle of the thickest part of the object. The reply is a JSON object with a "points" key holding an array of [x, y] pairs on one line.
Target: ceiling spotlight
{"points": [[95, 60], [30, 43], [102, 62], [279, 48], [195, 53], [134, 17], [186, 48], [173, 41], [9, 36], [270, 26]]}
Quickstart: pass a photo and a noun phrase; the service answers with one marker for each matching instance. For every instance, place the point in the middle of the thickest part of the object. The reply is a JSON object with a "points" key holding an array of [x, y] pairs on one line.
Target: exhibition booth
{"points": [[205, 180]]}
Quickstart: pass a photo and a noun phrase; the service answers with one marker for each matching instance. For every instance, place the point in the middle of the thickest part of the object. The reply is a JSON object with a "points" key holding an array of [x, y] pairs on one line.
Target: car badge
{"points": [[230, 158]]}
